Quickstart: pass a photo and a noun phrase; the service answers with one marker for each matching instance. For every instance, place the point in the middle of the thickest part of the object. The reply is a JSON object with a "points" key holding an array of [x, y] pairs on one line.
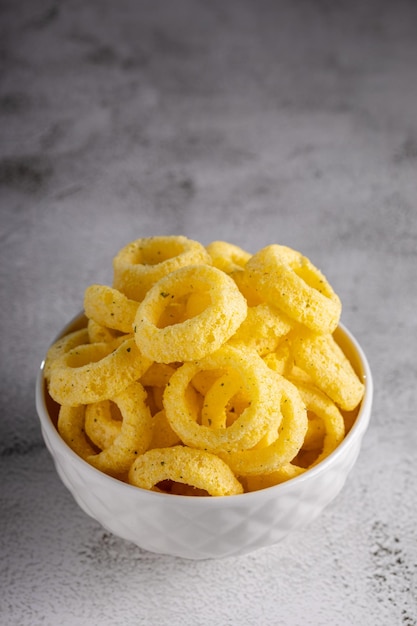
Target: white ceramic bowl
{"points": [[204, 527]]}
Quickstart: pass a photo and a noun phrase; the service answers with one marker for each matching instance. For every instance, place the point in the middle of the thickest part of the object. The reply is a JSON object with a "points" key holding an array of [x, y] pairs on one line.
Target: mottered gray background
{"points": [[254, 122]]}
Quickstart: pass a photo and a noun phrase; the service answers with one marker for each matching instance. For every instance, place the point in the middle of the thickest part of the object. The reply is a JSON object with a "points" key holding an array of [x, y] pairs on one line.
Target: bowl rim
{"points": [[356, 431]]}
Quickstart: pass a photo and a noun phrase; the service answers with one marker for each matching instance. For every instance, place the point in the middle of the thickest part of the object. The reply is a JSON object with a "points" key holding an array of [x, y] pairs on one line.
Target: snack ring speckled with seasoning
{"points": [[223, 310], [257, 386], [198, 468], [96, 371], [288, 280], [141, 263]]}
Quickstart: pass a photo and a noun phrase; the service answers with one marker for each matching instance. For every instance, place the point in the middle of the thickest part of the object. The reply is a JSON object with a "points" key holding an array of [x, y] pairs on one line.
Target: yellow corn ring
{"points": [[61, 347], [135, 432], [288, 440], [140, 264], [110, 308], [94, 372], [263, 329], [286, 279], [198, 468], [331, 371], [227, 257], [100, 425], [249, 427], [208, 330]]}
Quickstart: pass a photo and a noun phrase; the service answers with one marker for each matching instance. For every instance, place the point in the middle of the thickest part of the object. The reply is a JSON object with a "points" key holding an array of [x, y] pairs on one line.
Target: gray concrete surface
{"points": [[254, 122]]}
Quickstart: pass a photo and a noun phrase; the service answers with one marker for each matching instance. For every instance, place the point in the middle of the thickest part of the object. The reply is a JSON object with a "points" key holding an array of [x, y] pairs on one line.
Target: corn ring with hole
{"points": [[94, 372], [181, 464], [141, 263], [135, 432], [198, 336], [256, 384], [288, 280], [62, 346]]}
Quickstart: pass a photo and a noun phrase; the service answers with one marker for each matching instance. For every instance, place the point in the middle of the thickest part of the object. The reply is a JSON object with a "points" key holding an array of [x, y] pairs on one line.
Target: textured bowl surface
{"points": [[198, 527]]}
